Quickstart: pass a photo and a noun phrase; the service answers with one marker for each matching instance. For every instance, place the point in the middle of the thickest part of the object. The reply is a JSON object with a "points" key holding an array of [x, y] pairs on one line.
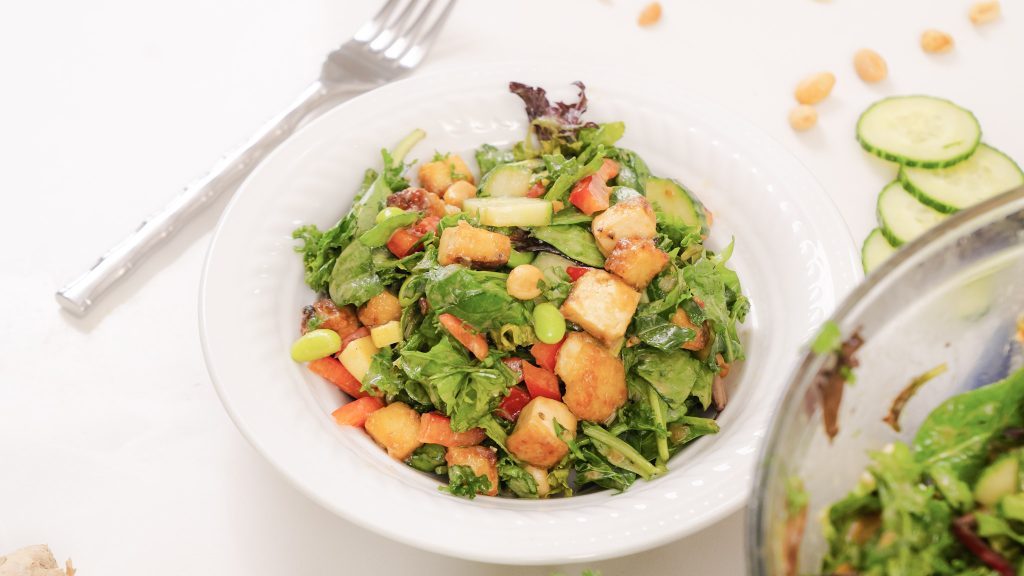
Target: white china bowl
{"points": [[793, 253]]}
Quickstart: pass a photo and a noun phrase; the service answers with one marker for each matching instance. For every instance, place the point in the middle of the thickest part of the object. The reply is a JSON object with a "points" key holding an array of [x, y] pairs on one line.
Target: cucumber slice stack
{"points": [[943, 168]]}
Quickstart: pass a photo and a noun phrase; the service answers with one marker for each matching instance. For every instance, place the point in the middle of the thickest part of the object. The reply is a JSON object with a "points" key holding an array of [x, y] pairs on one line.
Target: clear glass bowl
{"points": [[953, 296]]}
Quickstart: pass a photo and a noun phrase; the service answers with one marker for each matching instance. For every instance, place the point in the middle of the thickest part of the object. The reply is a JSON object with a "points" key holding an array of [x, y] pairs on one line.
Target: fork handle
{"points": [[78, 295]]}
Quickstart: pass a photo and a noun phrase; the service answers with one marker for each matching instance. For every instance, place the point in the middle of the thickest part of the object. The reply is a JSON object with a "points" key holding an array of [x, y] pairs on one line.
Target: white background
{"points": [[113, 446]]}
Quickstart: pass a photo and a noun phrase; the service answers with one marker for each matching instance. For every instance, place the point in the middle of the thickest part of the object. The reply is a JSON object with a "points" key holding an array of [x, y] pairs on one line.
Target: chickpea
{"points": [[984, 11], [870, 66], [458, 192], [803, 117], [936, 41], [815, 88], [522, 282], [650, 15]]}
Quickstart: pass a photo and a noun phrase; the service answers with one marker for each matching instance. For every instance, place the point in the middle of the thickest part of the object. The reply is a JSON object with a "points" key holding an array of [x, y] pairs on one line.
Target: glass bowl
{"points": [[953, 296]]}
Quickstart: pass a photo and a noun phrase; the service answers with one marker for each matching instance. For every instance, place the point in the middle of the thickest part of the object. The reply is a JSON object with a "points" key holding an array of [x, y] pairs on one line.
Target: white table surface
{"points": [[114, 448]]}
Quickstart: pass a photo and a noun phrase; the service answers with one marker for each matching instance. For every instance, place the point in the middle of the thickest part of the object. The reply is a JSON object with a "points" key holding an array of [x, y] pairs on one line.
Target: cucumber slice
{"points": [[998, 480], [875, 251], [678, 205], [550, 265], [987, 173], [1012, 507], [919, 131], [510, 180], [902, 217], [509, 211]]}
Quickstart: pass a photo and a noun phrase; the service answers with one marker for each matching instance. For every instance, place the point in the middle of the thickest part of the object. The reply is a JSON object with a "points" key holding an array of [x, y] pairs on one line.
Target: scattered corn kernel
{"points": [[870, 66], [815, 88]]}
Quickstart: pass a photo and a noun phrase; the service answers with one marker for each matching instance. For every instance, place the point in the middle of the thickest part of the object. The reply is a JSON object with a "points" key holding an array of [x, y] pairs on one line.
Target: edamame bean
{"points": [[548, 323], [316, 344], [388, 213], [517, 258]]}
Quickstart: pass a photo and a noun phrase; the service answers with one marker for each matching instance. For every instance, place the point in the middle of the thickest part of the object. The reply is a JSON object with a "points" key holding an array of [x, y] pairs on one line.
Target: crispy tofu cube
{"points": [[380, 309], [631, 218], [396, 427], [595, 379], [482, 460], [682, 319], [534, 440], [469, 245], [637, 261], [438, 175], [601, 304]]}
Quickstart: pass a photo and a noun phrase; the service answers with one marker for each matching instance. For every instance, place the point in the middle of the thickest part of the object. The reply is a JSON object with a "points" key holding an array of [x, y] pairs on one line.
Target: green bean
{"points": [[388, 213], [548, 323], [316, 344]]}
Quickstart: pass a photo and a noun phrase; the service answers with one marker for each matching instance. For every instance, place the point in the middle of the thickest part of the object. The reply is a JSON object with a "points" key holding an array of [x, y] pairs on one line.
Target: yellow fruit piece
{"points": [[356, 357], [386, 334]]}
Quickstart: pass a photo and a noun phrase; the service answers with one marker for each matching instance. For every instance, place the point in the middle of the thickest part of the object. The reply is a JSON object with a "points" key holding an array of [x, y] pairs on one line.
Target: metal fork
{"points": [[387, 47]]}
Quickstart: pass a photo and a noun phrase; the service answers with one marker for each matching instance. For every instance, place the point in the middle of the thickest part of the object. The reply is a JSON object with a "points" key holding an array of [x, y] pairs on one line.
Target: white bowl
{"points": [[793, 253]]}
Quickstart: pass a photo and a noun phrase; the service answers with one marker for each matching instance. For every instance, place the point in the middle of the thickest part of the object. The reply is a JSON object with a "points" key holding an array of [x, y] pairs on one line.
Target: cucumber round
{"points": [[509, 180], [875, 251], [523, 212], [919, 131], [902, 217], [987, 173]]}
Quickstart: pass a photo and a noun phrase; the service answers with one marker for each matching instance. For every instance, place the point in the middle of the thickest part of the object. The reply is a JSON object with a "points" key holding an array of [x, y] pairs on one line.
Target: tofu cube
{"points": [[631, 218], [396, 427], [438, 175], [472, 246], [601, 304], [482, 460], [595, 379], [637, 261], [534, 440]]}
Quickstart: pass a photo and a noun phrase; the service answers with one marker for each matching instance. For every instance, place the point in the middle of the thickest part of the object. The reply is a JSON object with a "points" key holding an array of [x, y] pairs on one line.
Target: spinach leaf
{"points": [[606, 134], [958, 432], [381, 233], [382, 374], [512, 336], [517, 478], [666, 292], [568, 172], [570, 215], [633, 171], [689, 428], [321, 250], [479, 298], [675, 374], [591, 467], [428, 458], [466, 391], [573, 241], [619, 453], [658, 332], [353, 279], [462, 481], [489, 157], [706, 283], [911, 512]]}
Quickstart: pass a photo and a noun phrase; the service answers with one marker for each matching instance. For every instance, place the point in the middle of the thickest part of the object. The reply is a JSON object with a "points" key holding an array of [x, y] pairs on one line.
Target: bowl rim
{"points": [[906, 257], [844, 276]]}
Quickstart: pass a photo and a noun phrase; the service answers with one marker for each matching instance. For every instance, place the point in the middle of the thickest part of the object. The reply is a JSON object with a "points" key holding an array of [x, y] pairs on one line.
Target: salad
{"points": [[951, 502], [550, 324]]}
